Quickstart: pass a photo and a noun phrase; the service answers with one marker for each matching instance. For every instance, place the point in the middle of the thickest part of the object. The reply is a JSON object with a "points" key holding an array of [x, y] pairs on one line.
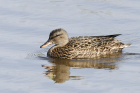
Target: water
{"points": [[26, 24]]}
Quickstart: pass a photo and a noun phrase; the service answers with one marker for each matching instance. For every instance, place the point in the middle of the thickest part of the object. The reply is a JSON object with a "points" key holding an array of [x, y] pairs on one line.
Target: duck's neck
{"points": [[60, 44], [52, 48]]}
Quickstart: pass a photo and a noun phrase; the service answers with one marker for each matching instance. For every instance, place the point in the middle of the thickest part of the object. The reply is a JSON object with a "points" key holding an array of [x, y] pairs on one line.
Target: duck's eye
{"points": [[55, 36]]}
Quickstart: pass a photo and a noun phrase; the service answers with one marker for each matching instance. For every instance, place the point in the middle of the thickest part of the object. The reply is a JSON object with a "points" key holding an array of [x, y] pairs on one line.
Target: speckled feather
{"points": [[87, 47]]}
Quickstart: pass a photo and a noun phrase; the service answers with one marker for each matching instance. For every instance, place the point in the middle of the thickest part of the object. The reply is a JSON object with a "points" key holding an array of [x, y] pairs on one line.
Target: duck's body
{"points": [[82, 46]]}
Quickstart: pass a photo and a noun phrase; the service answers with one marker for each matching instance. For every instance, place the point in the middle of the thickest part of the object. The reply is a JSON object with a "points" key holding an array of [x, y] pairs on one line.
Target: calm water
{"points": [[26, 24]]}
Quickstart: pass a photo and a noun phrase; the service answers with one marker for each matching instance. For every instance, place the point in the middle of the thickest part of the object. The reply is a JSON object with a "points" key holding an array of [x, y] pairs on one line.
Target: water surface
{"points": [[26, 24]]}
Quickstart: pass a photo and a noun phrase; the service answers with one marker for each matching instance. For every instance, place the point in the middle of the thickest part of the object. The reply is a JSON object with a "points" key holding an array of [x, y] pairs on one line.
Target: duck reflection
{"points": [[60, 72]]}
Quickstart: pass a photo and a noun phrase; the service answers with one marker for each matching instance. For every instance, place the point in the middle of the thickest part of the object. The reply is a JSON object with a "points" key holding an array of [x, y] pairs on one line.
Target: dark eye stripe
{"points": [[55, 36]]}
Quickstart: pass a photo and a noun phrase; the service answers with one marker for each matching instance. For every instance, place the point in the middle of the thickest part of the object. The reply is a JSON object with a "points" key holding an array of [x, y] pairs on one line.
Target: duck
{"points": [[81, 46]]}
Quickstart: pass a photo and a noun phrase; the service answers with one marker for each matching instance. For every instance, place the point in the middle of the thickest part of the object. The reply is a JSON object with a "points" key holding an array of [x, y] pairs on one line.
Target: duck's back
{"points": [[88, 47]]}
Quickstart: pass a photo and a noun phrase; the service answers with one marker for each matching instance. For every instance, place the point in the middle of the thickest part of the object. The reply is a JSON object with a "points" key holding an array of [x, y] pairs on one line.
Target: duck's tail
{"points": [[125, 45]]}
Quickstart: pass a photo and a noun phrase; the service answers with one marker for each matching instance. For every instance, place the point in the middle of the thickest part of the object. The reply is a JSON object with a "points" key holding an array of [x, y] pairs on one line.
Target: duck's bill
{"points": [[46, 44]]}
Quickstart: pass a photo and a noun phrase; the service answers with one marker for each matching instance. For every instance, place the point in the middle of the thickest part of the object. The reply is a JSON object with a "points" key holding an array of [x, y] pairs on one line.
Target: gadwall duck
{"points": [[81, 46]]}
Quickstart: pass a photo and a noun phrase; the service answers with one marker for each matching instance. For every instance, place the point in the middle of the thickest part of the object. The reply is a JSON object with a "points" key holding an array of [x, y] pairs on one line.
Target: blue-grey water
{"points": [[26, 24]]}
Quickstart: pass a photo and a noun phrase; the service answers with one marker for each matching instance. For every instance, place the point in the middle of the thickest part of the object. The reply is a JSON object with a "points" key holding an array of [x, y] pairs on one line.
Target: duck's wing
{"points": [[106, 37], [114, 35], [85, 42]]}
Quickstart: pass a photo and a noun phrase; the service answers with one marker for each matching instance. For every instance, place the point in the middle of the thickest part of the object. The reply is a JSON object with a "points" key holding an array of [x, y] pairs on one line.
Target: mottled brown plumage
{"points": [[81, 46]]}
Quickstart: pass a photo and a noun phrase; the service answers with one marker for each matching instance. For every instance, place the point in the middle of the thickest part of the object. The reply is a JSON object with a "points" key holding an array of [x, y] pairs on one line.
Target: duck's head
{"points": [[59, 37]]}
